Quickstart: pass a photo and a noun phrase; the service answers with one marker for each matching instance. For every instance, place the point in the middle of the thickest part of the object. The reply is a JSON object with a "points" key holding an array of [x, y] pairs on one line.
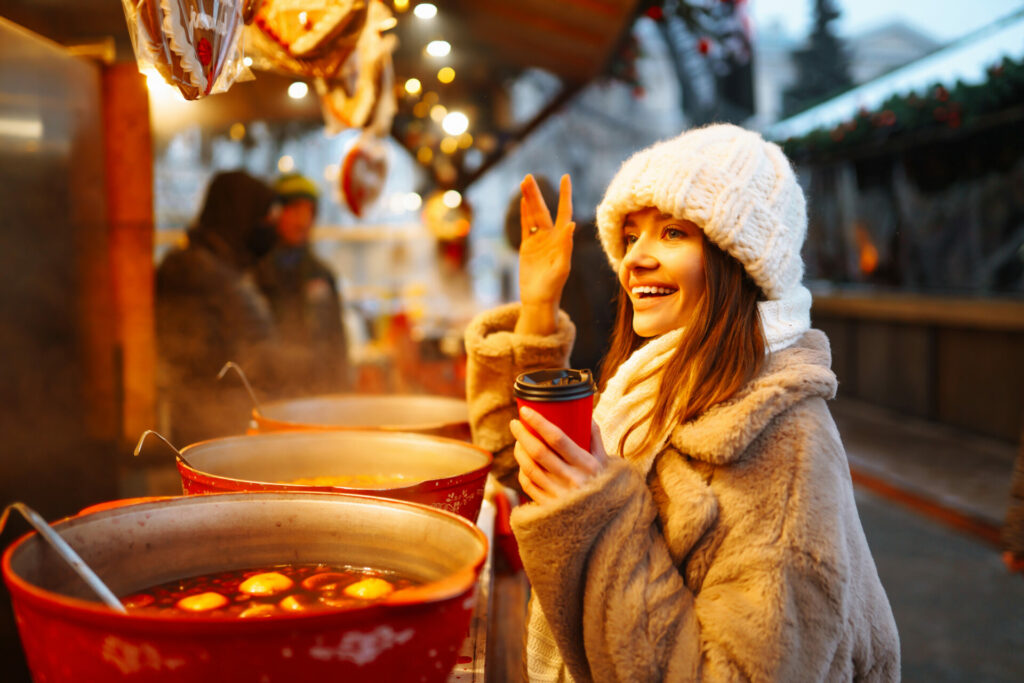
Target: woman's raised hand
{"points": [[545, 256]]}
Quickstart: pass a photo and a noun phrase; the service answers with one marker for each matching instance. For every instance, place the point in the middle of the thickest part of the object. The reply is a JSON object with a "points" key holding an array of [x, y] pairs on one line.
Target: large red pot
{"points": [[413, 635], [438, 415], [443, 473]]}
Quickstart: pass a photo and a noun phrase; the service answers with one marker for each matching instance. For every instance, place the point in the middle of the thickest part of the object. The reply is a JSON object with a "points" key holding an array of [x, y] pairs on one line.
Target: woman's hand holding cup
{"points": [[550, 463], [545, 256], [558, 445]]}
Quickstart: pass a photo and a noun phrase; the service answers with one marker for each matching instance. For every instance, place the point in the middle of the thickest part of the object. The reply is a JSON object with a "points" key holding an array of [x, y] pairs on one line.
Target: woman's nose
{"points": [[640, 255]]}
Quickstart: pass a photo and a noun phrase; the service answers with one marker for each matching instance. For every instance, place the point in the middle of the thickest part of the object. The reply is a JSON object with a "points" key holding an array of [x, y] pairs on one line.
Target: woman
{"points": [[711, 533]]}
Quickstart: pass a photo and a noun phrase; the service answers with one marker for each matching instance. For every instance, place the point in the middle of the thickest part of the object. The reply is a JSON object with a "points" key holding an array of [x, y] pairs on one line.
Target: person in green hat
{"points": [[304, 296]]}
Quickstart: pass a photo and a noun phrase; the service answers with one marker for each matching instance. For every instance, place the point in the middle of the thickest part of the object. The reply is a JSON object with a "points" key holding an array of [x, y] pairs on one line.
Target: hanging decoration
{"points": [[309, 38], [364, 168], [362, 92], [194, 44], [364, 172], [447, 220], [249, 9]]}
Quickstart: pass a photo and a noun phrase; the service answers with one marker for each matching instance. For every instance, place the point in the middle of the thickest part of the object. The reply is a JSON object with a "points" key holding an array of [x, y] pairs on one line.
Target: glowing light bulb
{"points": [[439, 48], [298, 90], [452, 199], [412, 201], [454, 123], [424, 10]]}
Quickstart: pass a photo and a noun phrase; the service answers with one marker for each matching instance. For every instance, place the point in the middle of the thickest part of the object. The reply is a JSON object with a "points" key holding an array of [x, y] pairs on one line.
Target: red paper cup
{"points": [[563, 396]]}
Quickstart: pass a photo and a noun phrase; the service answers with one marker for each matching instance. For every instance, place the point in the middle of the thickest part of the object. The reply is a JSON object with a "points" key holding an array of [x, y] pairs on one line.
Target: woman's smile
{"points": [[646, 297]]}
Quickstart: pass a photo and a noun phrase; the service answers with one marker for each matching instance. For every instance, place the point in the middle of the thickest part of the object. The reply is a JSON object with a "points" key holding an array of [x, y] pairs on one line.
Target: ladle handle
{"points": [[231, 365], [67, 553]]}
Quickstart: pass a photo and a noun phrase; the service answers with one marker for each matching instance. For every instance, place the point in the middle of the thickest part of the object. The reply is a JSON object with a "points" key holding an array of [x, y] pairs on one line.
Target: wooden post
{"points": [[129, 187]]}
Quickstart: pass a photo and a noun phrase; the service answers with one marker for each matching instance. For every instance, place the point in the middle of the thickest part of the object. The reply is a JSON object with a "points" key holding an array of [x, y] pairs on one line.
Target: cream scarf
{"points": [[625, 398]]}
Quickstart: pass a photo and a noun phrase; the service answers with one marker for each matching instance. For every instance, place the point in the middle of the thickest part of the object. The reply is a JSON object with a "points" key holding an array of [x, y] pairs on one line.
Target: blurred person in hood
{"points": [[303, 296], [210, 311]]}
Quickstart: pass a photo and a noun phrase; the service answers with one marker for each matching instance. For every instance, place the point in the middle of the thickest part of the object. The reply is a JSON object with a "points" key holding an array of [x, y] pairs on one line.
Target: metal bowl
{"points": [[438, 415], [412, 635], [443, 473]]}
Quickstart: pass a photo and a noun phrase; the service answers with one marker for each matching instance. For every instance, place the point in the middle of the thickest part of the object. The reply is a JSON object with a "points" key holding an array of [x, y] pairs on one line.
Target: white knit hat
{"points": [[741, 190]]}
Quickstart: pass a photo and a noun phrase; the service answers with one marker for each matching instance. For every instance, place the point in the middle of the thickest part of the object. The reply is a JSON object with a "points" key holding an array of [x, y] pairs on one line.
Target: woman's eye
{"points": [[674, 233], [629, 239]]}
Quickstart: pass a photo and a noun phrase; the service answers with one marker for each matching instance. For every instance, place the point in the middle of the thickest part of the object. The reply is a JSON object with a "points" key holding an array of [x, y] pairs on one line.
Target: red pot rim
{"points": [[405, 600], [422, 486]]}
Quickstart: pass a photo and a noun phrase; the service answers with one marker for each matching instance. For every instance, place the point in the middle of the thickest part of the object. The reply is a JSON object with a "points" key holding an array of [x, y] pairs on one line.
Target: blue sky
{"points": [[944, 20]]}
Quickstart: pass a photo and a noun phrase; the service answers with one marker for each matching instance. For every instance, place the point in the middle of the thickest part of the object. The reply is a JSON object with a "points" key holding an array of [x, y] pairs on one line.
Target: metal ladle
{"points": [[67, 553]]}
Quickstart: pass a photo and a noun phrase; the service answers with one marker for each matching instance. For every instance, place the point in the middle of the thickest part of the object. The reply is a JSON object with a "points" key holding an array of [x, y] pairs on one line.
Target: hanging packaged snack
{"points": [[365, 81], [194, 44], [364, 172], [310, 38]]}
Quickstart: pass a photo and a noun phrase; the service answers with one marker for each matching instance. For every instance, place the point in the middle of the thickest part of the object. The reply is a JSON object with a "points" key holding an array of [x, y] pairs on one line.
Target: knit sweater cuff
{"points": [[496, 355]]}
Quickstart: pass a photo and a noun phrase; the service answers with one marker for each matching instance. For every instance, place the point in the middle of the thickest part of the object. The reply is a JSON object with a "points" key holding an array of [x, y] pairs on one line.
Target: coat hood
{"points": [[236, 204]]}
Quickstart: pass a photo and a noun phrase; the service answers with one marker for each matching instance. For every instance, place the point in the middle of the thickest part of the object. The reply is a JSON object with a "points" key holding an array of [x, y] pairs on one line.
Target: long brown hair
{"points": [[722, 349]]}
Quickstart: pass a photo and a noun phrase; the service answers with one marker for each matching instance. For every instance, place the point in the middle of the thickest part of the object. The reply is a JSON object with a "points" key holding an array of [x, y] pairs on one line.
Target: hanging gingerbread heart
{"points": [[363, 173], [194, 44]]}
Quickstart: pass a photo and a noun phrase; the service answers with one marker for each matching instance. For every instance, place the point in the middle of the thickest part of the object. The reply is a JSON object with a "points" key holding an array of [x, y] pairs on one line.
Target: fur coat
{"points": [[738, 556]]}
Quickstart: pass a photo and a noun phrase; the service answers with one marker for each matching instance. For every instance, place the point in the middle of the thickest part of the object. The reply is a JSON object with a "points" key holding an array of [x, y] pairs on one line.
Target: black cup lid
{"points": [[558, 384]]}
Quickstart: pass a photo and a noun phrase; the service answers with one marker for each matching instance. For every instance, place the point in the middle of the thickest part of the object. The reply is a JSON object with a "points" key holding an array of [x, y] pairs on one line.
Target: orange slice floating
{"points": [[202, 602], [265, 584], [369, 589]]}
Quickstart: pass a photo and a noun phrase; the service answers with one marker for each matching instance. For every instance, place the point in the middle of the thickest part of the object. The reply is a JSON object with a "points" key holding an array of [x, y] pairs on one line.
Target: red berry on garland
{"points": [[204, 51], [703, 46], [655, 13]]}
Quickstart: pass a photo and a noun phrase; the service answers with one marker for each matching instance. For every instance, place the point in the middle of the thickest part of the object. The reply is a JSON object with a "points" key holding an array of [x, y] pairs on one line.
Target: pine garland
{"points": [[935, 109]]}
